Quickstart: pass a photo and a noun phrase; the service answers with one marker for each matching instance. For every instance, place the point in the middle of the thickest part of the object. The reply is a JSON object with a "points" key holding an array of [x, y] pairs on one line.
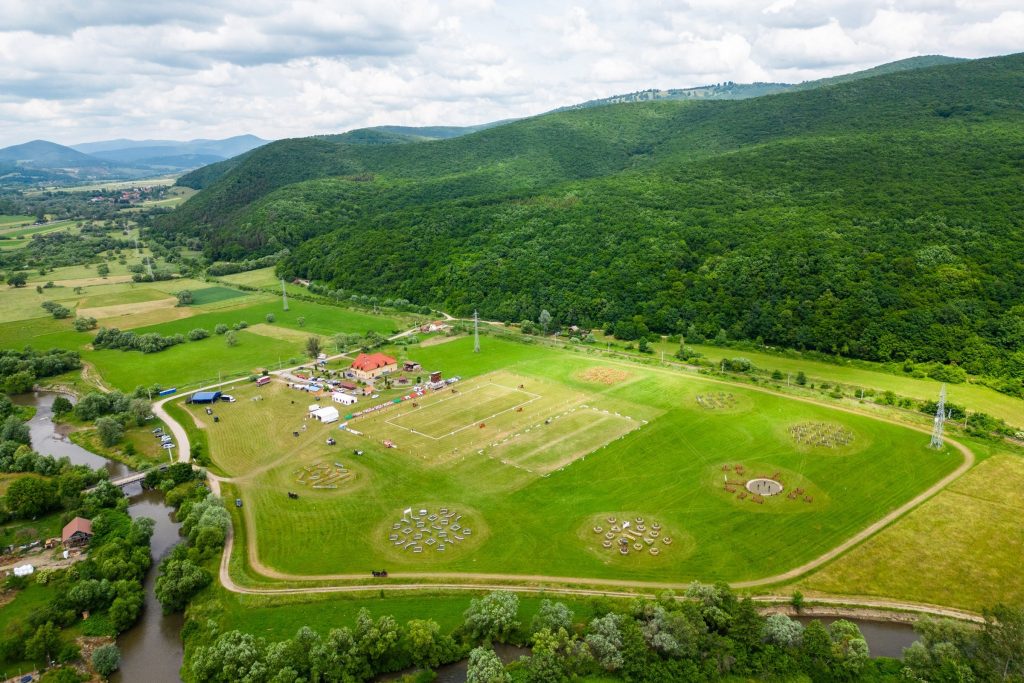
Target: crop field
{"points": [[662, 458]]}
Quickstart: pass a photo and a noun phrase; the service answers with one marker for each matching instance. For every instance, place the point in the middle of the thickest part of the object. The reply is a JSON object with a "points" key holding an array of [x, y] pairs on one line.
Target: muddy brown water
{"points": [[152, 651]]}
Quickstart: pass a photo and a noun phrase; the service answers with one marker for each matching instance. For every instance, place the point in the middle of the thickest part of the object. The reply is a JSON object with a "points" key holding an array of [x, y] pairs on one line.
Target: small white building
{"points": [[313, 407], [343, 398], [327, 415]]}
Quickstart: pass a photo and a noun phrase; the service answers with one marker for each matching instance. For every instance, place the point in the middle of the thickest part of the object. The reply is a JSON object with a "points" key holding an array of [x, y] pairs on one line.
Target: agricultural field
{"points": [[665, 458], [263, 277]]}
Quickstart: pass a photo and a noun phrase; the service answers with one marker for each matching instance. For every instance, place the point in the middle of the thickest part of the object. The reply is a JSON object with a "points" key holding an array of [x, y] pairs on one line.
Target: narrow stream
{"points": [[152, 651]]}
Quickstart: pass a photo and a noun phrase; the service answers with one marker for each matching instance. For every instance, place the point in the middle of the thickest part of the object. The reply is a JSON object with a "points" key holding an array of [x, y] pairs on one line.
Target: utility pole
{"points": [[284, 295], [476, 333], [940, 419]]}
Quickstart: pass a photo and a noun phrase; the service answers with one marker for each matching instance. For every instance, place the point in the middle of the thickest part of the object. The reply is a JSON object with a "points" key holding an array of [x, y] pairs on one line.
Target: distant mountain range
{"points": [[44, 162]]}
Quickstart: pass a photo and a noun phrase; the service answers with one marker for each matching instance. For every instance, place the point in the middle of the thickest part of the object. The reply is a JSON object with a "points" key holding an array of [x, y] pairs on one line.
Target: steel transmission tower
{"points": [[476, 333], [940, 419], [284, 295]]}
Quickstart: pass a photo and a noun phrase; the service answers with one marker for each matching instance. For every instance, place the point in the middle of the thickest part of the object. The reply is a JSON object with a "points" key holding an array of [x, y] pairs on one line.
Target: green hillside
{"points": [[879, 217]]}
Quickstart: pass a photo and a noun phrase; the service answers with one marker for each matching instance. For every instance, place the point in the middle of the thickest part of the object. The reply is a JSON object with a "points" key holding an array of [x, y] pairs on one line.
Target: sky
{"points": [[81, 70]]}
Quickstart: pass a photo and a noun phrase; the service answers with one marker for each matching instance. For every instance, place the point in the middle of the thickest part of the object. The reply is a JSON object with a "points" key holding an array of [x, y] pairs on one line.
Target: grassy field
{"points": [[669, 470], [975, 397], [263, 277], [211, 295], [7, 221], [962, 548]]}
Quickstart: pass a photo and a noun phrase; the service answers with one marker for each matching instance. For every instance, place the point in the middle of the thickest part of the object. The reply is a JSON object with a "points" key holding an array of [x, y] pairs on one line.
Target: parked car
{"points": [[238, 502], [375, 396], [228, 398], [158, 431]]}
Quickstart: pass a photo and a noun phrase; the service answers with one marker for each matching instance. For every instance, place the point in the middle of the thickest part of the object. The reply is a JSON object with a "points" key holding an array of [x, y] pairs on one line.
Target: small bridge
{"points": [[128, 480]]}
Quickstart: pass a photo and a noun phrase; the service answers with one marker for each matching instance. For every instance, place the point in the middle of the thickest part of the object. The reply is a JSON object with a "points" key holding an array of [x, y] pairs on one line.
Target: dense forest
{"points": [[879, 218]]}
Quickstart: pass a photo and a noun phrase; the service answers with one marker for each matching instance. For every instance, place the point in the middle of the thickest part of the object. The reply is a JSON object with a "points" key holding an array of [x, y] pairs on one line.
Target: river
{"points": [[152, 651]]}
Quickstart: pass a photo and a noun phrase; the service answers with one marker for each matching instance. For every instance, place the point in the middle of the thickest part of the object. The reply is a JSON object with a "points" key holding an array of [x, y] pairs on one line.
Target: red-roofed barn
{"points": [[77, 532]]}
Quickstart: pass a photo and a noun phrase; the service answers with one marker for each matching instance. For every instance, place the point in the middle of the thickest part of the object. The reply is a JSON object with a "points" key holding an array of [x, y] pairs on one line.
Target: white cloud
{"points": [[74, 70]]}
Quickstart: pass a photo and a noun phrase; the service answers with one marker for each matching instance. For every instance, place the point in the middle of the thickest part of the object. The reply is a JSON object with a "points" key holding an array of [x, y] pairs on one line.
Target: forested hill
{"points": [[880, 217]]}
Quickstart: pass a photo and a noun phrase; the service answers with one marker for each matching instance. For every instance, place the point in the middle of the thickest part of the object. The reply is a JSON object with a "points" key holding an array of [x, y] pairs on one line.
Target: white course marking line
{"points": [[474, 422]]}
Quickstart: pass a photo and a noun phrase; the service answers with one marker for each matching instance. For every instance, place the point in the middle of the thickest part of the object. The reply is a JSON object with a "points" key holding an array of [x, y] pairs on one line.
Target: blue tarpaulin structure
{"points": [[205, 396]]}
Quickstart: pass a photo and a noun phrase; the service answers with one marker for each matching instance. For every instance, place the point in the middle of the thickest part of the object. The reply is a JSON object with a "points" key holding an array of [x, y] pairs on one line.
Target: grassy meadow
{"points": [[962, 548], [669, 470], [975, 397]]}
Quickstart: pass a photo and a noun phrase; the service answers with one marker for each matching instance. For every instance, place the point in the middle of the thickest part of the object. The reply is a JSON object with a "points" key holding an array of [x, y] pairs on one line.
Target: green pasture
{"points": [[7, 221], [319, 319], [669, 470], [191, 364], [263, 277], [212, 295], [974, 396]]}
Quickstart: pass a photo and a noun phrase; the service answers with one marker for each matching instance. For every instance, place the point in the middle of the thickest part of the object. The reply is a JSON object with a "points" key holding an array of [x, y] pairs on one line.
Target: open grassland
{"points": [[317, 319], [7, 221], [973, 396], [962, 548], [263, 277], [669, 470], [191, 364], [212, 295]]}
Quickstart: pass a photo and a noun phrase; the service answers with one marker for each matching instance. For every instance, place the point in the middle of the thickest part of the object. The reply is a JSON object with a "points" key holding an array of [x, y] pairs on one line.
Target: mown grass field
{"points": [[212, 295], [962, 548], [669, 470]]}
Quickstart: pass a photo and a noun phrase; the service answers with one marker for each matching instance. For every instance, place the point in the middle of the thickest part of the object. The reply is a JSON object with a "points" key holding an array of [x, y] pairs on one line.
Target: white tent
{"points": [[313, 407], [24, 570], [343, 398], [328, 414]]}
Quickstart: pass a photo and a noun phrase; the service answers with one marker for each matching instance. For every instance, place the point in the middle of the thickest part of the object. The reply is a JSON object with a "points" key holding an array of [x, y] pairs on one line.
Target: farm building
{"points": [[205, 396], [411, 366], [327, 414], [77, 532], [343, 398], [369, 366]]}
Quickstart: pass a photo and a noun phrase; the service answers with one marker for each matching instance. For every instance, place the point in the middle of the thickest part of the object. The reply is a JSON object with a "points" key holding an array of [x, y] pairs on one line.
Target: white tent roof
{"points": [[313, 407], [328, 414]]}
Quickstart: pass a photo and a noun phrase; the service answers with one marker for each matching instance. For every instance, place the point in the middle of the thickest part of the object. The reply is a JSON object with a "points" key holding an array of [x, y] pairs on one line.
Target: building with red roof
{"points": [[77, 532], [370, 366]]}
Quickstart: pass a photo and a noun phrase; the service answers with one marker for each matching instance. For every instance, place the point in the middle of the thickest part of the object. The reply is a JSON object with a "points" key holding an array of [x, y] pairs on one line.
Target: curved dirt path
{"points": [[859, 537]]}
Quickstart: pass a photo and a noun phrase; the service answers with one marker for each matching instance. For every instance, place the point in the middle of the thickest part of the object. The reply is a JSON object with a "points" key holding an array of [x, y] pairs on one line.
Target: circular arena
{"points": [[764, 487]]}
